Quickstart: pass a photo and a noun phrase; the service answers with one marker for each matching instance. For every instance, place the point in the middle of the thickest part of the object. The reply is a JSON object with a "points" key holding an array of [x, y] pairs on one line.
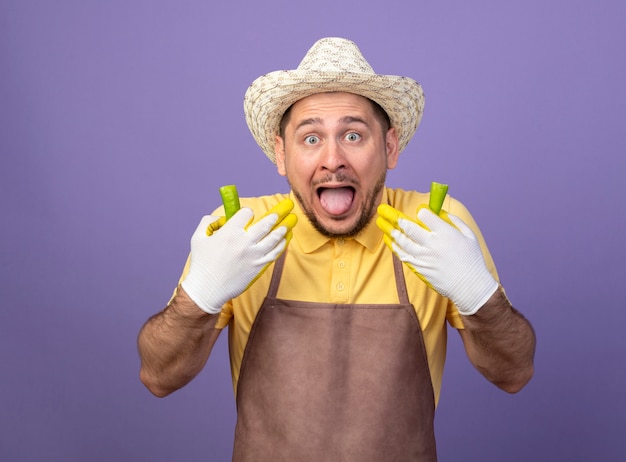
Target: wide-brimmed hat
{"points": [[331, 65]]}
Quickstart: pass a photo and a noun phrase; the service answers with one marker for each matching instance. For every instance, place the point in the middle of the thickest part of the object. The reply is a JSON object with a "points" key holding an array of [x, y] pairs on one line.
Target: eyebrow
{"points": [[310, 121], [318, 120]]}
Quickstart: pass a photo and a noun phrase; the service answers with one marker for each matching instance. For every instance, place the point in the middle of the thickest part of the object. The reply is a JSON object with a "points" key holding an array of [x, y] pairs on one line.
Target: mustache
{"points": [[336, 178]]}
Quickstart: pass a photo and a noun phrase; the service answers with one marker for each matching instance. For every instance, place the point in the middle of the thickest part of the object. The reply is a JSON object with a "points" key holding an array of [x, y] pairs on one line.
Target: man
{"points": [[337, 324]]}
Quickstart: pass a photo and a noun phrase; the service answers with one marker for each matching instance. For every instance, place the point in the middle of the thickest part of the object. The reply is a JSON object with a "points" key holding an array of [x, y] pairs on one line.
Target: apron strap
{"points": [[276, 274], [403, 295]]}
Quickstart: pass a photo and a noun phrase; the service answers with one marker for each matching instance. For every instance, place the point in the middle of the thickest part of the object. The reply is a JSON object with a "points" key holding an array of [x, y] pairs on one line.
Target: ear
{"points": [[391, 145], [279, 150]]}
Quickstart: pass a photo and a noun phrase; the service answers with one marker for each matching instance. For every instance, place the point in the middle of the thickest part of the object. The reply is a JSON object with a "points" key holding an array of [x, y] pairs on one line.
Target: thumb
{"points": [[206, 226]]}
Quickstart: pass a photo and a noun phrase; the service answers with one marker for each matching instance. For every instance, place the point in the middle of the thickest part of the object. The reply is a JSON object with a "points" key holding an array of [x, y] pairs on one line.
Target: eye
{"points": [[311, 139], [353, 136]]}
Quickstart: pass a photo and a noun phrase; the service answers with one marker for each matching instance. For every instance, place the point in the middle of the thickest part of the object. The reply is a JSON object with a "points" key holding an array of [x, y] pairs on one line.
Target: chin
{"points": [[335, 227], [346, 227]]}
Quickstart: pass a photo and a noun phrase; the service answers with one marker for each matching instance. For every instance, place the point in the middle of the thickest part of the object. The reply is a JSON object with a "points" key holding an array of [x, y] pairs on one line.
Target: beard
{"points": [[366, 213]]}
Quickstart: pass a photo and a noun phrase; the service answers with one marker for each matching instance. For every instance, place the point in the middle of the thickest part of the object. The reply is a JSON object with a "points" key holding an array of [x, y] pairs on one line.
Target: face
{"points": [[335, 154]]}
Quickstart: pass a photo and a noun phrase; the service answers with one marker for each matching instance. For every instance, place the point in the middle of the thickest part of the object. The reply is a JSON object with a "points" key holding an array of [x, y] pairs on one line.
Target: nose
{"points": [[332, 157]]}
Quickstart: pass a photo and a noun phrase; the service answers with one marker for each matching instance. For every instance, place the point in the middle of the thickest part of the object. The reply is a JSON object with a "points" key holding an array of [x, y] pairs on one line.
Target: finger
{"points": [[391, 214], [411, 242], [461, 226], [281, 210], [273, 217], [389, 242], [207, 220], [288, 237], [289, 221], [271, 246], [240, 219], [204, 223], [405, 227], [385, 226], [426, 216], [435, 222], [262, 227], [416, 231], [400, 249], [214, 225], [275, 252]]}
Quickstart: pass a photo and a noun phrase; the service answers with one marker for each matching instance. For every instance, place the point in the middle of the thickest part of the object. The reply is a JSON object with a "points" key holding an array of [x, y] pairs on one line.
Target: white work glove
{"points": [[228, 256], [442, 251]]}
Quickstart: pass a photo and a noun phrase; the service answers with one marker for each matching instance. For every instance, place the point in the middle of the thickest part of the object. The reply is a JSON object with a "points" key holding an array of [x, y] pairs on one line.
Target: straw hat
{"points": [[332, 64]]}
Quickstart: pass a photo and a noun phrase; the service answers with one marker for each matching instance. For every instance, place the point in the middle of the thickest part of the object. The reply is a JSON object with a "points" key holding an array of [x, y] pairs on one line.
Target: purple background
{"points": [[119, 120]]}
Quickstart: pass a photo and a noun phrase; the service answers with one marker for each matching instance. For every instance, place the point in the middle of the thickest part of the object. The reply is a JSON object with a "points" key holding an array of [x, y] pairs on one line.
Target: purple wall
{"points": [[119, 120]]}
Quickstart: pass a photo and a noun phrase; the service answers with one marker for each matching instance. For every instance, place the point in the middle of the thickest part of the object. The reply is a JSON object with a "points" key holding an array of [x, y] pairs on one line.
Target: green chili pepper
{"points": [[230, 199], [438, 193]]}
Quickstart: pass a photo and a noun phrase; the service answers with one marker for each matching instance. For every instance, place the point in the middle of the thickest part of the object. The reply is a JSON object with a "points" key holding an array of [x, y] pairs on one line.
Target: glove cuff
{"points": [[476, 295], [197, 290]]}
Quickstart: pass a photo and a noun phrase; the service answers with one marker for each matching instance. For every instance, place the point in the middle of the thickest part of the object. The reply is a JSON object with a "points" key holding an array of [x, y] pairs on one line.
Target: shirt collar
{"points": [[310, 239]]}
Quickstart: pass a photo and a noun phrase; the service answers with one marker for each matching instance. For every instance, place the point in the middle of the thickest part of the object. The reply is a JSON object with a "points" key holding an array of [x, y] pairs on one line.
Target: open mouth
{"points": [[336, 201]]}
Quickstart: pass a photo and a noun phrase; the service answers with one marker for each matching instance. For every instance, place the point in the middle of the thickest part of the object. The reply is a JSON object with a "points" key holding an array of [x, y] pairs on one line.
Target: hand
{"points": [[228, 256], [443, 252]]}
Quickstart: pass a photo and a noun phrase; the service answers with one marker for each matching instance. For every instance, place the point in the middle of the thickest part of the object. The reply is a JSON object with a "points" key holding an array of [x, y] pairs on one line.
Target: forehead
{"points": [[339, 102]]}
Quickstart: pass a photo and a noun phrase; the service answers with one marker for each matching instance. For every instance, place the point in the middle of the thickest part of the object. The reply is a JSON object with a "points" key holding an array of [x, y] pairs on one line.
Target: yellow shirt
{"points": [[355, 270]]}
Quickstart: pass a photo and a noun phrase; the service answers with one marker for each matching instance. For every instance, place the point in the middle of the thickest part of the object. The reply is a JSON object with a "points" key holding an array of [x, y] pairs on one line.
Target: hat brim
{"points": [[269, 96]]}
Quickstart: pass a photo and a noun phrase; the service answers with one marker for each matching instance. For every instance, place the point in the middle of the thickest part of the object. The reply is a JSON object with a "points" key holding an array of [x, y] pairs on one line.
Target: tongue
{"points": [[336, 201]]}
